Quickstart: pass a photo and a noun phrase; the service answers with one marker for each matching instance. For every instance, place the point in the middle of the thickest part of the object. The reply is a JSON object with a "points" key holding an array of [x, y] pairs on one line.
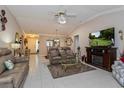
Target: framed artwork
{"points": [[3, 20], [56, 42], [68, 41]]}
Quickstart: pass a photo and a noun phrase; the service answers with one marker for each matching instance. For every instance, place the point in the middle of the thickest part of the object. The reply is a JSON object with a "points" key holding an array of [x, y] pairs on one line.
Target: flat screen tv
{"points": [[102, 38]]}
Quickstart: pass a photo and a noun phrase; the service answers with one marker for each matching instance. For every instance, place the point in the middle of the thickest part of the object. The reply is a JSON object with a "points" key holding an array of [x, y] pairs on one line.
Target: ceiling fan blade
{"points": [[56, 15], [70, 15]]}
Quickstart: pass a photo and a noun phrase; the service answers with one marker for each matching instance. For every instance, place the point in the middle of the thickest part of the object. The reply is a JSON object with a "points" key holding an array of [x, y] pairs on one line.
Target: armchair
{"points": [[54, 56], [118, 72], [67, 55]]}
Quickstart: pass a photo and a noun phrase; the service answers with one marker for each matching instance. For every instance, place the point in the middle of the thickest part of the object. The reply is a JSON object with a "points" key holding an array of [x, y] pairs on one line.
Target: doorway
{"points": [[33, 43], [76, 43], [37, 45]]}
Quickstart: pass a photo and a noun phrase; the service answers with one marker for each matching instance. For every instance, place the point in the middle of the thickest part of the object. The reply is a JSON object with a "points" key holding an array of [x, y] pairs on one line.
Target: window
{"points": [[49, 43]]}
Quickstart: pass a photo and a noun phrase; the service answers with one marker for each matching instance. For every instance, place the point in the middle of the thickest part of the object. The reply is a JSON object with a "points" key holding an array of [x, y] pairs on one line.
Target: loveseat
{"points": [[15, 77], [61, 55]]}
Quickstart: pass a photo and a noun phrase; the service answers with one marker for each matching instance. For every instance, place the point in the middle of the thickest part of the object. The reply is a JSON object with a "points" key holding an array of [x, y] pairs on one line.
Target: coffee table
{"points": [[67, 66]]}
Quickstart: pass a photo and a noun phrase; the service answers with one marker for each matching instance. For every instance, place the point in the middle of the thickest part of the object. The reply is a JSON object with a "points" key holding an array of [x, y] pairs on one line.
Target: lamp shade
{"points": [[15, 45]]}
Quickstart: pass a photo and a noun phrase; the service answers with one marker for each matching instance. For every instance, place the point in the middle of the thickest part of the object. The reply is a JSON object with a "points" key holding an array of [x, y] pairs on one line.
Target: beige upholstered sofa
{"points": [[13, 78]]}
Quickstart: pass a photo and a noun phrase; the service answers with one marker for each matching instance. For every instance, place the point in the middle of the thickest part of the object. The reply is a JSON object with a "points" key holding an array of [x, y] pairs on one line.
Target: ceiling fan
{"points": [[62, 16]]}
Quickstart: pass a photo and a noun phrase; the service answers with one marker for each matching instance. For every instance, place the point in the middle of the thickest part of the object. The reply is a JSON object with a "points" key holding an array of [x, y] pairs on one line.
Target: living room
{"points": [[60, 46]]}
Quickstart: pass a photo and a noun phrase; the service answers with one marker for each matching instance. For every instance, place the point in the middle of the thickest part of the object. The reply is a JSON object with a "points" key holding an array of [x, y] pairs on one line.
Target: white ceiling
{"points": [[41, 19]]}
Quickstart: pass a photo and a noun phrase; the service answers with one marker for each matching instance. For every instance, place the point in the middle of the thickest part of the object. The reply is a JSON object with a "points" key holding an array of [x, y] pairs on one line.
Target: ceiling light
{"points": [[61, 19], [32, 35]]}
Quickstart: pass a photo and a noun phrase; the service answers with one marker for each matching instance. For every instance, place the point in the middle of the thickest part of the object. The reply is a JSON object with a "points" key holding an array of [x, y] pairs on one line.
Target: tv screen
{"points": [[102, 38]]}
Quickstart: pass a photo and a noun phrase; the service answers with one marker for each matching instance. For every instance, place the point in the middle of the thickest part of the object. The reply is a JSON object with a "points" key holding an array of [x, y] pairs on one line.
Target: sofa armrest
{"points": [[118, 62], [75, 54], [21, 59], [6, 82]]}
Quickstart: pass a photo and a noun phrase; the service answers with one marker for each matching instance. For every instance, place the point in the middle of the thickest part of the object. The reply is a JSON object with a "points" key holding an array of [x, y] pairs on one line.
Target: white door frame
{"points": [[76, 42]]}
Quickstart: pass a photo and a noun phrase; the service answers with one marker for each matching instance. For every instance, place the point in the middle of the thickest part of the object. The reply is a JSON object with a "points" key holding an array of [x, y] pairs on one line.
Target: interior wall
{"points": [[43, 39], [115, 19], [8, 36]]}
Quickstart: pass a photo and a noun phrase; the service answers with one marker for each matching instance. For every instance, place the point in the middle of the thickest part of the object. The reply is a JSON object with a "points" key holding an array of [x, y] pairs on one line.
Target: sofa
{"points": [[61, 55], [15, 77], [24, 52], [118, 72]]}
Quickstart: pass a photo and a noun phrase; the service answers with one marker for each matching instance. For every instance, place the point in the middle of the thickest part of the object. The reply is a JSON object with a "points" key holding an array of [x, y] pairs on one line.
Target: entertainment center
{"points": [[102, 57], [101, 52]]}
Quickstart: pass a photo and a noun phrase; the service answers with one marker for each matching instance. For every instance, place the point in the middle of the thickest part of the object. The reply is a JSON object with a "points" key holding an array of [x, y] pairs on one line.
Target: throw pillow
{"points": [[9, 64], [122, 59]]}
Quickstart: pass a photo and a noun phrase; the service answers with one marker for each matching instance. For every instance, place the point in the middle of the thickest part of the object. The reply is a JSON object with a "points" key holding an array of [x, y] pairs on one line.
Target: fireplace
{"points": [[102, 57], [97, 60]]}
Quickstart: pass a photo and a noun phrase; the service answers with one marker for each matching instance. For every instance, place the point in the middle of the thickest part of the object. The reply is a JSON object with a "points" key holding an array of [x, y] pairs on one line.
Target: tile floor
{"points": [[40, 77]]}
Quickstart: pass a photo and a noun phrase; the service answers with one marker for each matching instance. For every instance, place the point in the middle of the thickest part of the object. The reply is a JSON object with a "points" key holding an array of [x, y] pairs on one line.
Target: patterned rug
{"points": [[60, 70]]}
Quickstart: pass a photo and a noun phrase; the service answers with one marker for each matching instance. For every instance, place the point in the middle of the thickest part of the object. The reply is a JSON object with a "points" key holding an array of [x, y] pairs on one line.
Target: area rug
{"points": [[58, 71]]}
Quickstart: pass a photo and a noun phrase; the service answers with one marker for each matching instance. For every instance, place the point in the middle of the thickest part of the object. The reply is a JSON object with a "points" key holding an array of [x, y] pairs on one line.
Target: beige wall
{"points": [[43, 48], [8, 36], [102, 22]]}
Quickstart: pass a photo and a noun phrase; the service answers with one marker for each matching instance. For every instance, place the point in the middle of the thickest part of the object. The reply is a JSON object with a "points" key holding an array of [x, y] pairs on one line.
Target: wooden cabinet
{"points": [[107, 56]]}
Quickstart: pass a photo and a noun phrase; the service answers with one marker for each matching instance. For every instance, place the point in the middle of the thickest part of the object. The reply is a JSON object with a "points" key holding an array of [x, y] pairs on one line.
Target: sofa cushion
{"points": [[69, 56], [69, 52], [21, 59], [54, 53], [18, 73], [5, 51], [20, 67], [2, 67], [62, 52], [22, 72], [121, 72], [9, 57], [57, 58], [17, 77], [66, 48]]}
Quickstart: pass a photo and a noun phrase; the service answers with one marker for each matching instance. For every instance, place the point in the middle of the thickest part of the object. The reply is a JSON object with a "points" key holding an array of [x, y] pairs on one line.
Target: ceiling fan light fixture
{"points": [[61, 19]]}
